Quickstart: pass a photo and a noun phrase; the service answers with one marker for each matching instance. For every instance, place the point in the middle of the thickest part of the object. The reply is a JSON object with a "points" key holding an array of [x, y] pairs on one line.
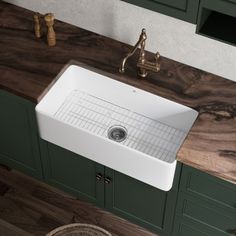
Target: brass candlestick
{"points": [[37, 25], [51, 36]]}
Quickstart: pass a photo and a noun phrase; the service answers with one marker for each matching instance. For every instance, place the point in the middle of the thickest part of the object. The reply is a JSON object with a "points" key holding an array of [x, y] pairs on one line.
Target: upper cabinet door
{"points": [[182, 9]]}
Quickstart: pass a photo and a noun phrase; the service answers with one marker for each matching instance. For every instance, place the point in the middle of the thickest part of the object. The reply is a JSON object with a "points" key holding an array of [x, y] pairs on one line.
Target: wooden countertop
{"points": [[28, 67]]}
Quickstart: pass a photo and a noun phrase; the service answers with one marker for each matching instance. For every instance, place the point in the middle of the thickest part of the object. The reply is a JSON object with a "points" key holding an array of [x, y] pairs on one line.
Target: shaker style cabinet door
{"points": [[73, 173], [139, 202], [186, 10], [206, 205], [19, 146], [195, 228]]}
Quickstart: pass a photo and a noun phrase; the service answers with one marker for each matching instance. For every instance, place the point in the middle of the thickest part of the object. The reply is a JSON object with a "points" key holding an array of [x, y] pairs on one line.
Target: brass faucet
{"points": [[143, 65]]}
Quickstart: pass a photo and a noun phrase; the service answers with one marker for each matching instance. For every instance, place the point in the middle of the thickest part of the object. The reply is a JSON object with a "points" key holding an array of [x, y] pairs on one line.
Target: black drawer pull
{"points": [[99, 176], [107, 180]]}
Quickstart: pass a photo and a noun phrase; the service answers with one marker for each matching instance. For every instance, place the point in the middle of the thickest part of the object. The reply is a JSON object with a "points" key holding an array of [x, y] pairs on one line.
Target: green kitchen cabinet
{"points": [[186, 10], [116, 192], [194, 228], [19, 143], [141, 203], [206, 204], [217, 20], [198, 204], [73, 173]]}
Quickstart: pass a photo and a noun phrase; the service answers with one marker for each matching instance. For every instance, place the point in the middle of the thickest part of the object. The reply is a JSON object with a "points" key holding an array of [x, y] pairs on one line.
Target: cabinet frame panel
{"points": [[187, 13], [28, 109]]}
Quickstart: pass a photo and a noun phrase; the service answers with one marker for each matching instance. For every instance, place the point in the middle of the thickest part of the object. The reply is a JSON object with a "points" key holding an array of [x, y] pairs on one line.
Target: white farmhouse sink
{"points": [[117, 125]]}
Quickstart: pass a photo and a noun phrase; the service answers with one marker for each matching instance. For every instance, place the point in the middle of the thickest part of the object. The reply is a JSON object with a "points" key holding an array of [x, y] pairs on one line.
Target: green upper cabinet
{"points": [[217, 20], [19, 147], [186, 10]]}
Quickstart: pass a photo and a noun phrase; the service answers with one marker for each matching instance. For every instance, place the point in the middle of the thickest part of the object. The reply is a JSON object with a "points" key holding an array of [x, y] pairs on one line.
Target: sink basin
{"points": [[125, 128]]}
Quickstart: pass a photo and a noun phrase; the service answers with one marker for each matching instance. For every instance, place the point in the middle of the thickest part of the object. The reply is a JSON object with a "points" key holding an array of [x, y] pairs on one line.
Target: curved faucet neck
{"points": [[141, 43]]}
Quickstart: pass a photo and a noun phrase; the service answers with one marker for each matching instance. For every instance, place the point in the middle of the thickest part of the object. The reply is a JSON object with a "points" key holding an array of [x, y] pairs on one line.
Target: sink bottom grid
{"points": [[95, 115]]}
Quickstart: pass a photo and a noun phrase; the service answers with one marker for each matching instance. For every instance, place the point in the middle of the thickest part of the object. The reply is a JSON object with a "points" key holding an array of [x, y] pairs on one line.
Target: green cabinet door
{"points": [[19, 147], [139, 202], [195, 228], [206, 205], [136, 201], [212, 216], [73, 173], [186, 10]]}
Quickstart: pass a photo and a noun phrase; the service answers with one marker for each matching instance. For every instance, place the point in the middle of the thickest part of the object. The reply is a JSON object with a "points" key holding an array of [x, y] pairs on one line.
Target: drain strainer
{"points": [[117, 133]]}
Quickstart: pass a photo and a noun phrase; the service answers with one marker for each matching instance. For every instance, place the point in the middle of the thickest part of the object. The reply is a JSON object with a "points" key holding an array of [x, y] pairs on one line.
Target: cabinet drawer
{"points": [[209, 187], [193, 228], [206, 213]]}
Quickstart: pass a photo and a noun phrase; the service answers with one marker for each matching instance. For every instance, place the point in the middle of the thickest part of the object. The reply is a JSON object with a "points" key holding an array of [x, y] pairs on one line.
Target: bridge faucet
{"points": [[143, 65]]}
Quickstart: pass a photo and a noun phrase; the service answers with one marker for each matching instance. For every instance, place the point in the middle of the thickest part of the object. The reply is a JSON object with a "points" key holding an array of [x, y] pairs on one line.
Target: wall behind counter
{"points": [[173, 38]]}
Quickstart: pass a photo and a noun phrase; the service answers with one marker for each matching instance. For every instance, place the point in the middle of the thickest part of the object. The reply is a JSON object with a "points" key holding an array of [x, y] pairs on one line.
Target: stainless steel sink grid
{"points": [[146, 135]]}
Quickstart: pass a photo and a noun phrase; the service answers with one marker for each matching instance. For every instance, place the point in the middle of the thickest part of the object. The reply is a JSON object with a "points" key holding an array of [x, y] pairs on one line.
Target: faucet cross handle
{"points": [[157, 60], [147, 66], [157, 56]]}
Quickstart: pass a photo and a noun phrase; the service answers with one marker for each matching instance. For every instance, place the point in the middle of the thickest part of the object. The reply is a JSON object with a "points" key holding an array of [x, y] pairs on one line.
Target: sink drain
{"points": [[117, 133]]}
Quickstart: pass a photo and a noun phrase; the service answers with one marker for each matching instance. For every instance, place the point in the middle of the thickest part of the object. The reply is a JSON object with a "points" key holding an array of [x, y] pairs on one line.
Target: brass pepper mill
{"points": [[37, 25], [51, 36]]}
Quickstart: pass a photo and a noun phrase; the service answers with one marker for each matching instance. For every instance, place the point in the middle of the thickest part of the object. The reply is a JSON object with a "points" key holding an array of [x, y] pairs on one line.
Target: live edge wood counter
{"points": [[28, 68]]}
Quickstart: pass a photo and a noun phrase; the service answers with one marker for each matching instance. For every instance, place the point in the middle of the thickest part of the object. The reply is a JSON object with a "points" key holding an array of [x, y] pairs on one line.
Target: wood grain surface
{"points": [[29, 207], [28, 68]]}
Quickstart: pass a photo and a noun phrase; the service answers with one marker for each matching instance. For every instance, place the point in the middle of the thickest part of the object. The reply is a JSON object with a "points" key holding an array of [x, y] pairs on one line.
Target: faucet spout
{"points": [[141, 43]]}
